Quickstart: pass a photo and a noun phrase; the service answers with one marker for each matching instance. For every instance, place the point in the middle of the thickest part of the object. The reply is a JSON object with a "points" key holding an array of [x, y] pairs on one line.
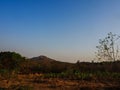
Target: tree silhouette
{"points": [[108, 48]]}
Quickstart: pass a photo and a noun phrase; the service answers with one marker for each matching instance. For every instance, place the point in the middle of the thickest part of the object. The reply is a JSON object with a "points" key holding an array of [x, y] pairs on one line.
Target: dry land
{"points": [[38, 82]]}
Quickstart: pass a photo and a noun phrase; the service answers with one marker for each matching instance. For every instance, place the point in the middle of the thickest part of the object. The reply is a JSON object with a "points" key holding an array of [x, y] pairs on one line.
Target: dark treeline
{"points": [[11, 61]]}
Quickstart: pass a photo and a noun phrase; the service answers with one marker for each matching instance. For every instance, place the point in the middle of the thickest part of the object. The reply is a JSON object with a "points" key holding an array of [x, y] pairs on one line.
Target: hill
{"points": [[43, 64]]}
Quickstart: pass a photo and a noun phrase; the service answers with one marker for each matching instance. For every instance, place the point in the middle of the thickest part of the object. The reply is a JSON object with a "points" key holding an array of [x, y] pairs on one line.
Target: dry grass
{"points": [[38, 82]]}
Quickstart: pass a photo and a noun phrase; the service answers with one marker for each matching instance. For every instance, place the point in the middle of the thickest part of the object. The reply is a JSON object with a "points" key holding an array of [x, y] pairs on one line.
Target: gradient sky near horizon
{"points": [[66, 30]]}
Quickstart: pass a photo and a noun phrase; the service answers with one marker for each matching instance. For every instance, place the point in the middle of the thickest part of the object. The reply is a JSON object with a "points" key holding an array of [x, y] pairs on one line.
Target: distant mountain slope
{"points": [[42, 59], [45, 64], [42, 64]]}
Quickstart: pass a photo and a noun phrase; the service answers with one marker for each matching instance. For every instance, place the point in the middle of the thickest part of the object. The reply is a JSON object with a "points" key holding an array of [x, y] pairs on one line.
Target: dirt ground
{"points": [[38, 83]]}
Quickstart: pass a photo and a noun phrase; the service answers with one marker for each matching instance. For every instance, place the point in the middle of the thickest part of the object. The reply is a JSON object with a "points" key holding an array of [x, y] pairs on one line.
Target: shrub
{"points": [[10, 61]]}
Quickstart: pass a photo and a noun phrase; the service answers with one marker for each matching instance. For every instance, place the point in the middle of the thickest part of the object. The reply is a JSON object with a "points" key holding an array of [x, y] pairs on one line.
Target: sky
{"points": [[65, 30]]}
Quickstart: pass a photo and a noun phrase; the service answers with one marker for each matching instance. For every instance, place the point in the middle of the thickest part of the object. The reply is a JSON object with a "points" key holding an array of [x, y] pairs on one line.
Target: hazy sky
{"points": [[66, 30]]}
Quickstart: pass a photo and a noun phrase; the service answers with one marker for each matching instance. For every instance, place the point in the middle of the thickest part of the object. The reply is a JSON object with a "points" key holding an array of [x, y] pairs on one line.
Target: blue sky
{"points": [[66, 30]]}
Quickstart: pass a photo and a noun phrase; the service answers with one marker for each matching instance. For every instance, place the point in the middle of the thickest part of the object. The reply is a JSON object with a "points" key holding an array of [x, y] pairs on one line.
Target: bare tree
{"points": [[108, 48]]}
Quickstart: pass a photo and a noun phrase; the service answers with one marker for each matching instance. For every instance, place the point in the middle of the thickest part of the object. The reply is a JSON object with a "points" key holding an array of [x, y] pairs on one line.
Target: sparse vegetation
{"points": [[51, 72]]}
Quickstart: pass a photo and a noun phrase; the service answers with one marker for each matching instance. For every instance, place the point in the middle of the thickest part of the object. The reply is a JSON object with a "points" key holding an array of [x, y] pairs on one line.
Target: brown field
{"points": [[37, 82]]}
